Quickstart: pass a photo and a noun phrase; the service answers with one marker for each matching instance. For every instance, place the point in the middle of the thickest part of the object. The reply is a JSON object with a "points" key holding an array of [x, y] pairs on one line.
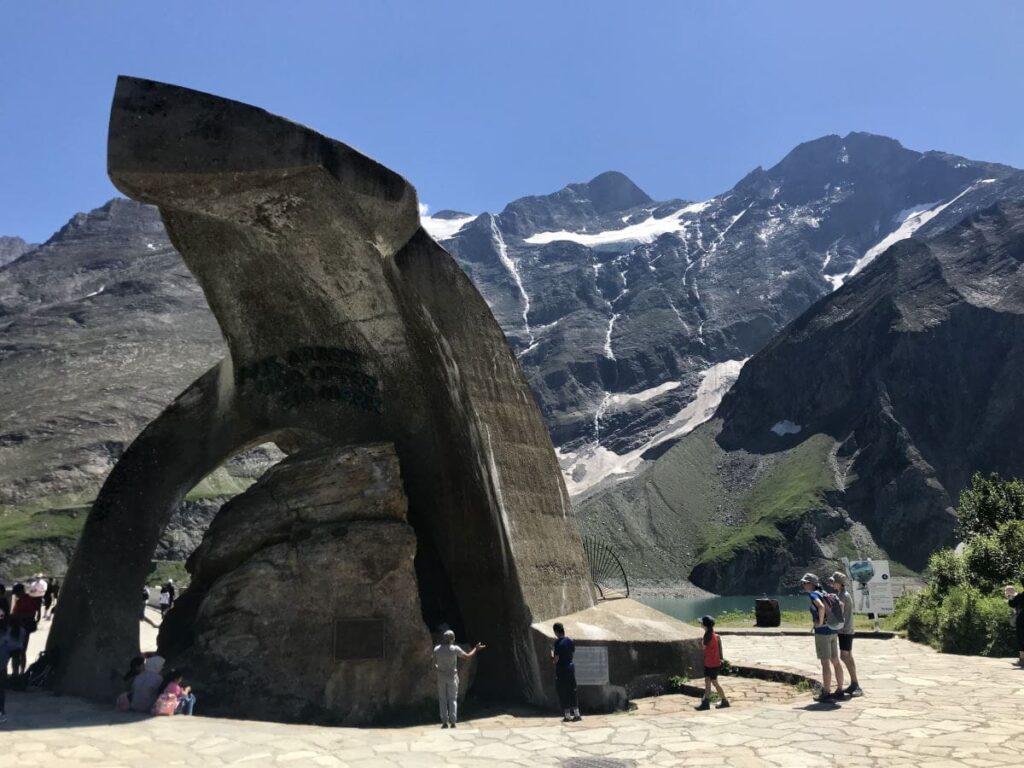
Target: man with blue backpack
{"points": [[828, 617]]}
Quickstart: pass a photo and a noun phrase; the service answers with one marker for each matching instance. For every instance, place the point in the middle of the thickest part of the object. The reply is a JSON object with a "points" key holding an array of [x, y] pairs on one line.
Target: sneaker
{"points": [[854, 690], [704, 705], [453, 725], [723, 704], [825, 698], [576, 718], [566, 719], [445, 725]]}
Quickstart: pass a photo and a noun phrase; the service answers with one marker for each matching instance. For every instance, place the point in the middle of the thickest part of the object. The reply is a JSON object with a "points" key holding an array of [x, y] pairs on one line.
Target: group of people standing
{"points": [[20, 614], [833, 641], [446, 665]]}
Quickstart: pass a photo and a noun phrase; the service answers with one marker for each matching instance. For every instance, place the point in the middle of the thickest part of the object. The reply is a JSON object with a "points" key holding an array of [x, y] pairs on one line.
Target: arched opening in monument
{"points": [[312, 581], [191, 520]]}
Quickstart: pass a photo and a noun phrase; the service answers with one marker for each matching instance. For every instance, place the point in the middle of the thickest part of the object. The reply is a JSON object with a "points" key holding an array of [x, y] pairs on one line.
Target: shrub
{"points": [[962, 621], [946, 570], [988, 503], [961, 610], [918, 614], [996, 558]]}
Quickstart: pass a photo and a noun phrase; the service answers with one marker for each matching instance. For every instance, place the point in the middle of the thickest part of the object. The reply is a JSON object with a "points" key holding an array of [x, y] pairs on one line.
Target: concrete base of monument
{"points": [[624, 650]]}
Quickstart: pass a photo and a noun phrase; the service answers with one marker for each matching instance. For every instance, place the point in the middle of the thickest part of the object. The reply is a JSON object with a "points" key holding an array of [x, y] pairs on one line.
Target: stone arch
{"points": [[312, 259]]}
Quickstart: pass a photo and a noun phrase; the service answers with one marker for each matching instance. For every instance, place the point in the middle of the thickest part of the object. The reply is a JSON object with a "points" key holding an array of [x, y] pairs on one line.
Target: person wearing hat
{"points": [[446, 662], [712, 665], [837, 581], [826, 641]]}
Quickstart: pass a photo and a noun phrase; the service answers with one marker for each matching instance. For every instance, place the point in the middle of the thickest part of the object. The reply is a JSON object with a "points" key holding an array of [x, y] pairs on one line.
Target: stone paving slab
{"points": [[920, 709]]}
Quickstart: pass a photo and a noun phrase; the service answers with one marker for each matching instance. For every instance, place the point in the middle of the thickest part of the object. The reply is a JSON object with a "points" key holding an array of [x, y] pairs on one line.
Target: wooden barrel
{"points": [[766, 612]]}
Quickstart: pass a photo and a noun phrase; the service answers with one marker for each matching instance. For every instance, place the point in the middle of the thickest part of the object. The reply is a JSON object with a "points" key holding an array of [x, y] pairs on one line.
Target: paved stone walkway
{"points": [[921, 709]]}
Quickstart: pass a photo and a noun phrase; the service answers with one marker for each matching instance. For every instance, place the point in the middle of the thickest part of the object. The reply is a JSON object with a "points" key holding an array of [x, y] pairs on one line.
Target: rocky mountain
{"points": [[100, 328], [631, 317], [12, 248], [854, 430]]}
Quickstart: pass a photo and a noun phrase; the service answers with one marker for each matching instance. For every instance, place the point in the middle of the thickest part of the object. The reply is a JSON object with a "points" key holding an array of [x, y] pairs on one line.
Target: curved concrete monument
{"points": [[346, 325]]}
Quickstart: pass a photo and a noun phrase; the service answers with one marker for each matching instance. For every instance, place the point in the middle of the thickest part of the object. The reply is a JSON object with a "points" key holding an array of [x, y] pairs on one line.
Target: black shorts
{"points": [[845, 643], [711, 673]]}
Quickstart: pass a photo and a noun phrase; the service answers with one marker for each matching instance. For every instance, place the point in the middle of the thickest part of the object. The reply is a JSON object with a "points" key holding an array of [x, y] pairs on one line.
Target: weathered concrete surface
{"points": [[645, 649], [346, 324], [322, 536]]}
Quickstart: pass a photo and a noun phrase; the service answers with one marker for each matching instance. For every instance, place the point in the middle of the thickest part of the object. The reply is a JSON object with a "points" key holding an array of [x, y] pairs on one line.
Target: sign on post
{"points": [[871, 587], [591, 663]]}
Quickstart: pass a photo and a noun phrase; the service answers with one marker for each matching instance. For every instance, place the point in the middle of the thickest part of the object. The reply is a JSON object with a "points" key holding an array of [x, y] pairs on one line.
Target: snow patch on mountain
{"points": [[786, 427], [912, 220], [585, 468], [646, 231], [444, 229], [622, 398]]}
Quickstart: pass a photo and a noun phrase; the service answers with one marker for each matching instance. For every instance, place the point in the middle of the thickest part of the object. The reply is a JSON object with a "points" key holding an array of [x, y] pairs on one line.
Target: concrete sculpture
{"points": [[360, 348]]}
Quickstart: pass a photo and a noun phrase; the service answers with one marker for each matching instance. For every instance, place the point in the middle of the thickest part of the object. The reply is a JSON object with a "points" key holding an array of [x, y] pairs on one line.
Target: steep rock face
{"points": [[99, 328], [12, 248], [876, 405], [321, 538], [915, 369], [618, 305]]}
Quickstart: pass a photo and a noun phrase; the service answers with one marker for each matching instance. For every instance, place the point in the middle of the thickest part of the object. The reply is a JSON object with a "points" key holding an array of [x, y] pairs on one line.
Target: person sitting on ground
{"points": [[837, 581], [712, 665], [12, 639], [135, 667], [826, 641], [1016, 602], [147, 684], [173, 687]]}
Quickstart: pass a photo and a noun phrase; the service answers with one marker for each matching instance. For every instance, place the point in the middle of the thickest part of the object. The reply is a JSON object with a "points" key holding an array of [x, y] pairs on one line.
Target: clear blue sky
{"points": [[478, 103]]}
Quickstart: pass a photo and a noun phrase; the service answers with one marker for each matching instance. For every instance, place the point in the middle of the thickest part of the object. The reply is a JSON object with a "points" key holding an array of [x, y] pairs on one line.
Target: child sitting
{"points": [[173, 687], [712, 665]]}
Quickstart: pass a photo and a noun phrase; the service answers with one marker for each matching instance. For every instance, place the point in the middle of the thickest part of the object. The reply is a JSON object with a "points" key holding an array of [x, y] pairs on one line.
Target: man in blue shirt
{"points": [[826, 641], [565, 675]]}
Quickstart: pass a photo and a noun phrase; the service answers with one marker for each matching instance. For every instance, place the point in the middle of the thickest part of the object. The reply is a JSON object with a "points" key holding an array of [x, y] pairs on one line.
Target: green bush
{"points": [[946, 570], [988, 503], [964, 620], [918, 614], [996, 558]]}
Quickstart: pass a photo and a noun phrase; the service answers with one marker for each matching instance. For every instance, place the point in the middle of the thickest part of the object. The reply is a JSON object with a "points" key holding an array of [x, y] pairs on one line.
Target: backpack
{"points": [[165, 704], [835, 614]]}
